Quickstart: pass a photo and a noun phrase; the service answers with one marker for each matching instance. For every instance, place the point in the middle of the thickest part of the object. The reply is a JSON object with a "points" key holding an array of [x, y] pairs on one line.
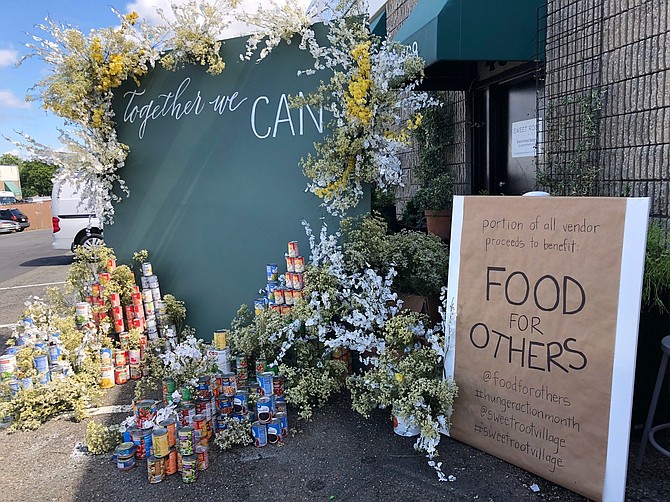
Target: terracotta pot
{"points": [[422, 305], [439, 222]]}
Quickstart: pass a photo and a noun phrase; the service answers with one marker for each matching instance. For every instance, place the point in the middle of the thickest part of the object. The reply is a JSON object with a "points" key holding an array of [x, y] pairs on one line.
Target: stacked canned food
{"points": [[283, 292], [48, 361], [271, 425]]}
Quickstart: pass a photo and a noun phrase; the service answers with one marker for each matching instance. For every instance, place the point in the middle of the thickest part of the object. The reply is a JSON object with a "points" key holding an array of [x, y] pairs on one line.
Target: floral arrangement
{"points": [[187, 360]]}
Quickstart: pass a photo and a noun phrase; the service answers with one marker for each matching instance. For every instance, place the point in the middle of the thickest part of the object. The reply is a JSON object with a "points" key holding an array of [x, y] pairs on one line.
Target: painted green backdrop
{"points": [[217, 192]]}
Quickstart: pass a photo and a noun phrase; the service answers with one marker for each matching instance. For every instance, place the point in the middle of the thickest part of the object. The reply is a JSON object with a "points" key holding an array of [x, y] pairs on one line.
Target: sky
{"points": [[18, 23]]}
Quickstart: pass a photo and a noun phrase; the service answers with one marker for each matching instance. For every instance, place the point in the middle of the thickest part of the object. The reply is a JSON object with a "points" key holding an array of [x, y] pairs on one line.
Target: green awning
{"points": [[474, 30], [378, 24]]}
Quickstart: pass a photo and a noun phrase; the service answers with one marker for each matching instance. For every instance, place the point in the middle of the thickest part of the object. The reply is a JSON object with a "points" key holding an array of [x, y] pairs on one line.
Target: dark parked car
{"points": [[14, 214]]}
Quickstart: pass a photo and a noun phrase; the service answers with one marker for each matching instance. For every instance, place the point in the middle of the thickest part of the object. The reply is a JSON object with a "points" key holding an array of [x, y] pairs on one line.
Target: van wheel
{"points": [[91, 241]]}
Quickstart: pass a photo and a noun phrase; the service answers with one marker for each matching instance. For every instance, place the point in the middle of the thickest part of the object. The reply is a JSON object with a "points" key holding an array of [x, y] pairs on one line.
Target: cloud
{"points": [[8, 57], [10, 100]]}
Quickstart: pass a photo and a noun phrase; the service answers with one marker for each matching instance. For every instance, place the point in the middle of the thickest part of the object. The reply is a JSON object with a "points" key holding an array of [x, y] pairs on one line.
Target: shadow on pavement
{"points": [[49, 261]]}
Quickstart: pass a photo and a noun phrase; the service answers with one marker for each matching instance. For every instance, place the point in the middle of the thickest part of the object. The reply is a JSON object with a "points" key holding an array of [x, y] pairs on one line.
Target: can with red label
{"points": [[299, 264], [203, 457], [276, 308], [286, 309], [186, 412], [121, 374], [135, 371], [201, 406], [171, 462], [277, 384], [115, 299], [200, 424], [290, 264], [288, 297], [279, 296], [118, 325], [228, 384], [298, 281], [297, 295], [293, 249], [225, 405]]}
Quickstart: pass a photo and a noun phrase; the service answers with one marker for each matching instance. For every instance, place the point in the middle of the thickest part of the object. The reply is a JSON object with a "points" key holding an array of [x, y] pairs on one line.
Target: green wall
{"points": [[210, 200]]}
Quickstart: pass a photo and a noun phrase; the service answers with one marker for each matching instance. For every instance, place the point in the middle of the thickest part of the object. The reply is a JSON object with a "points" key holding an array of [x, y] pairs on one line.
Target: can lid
{"points": [[128, 445], [160, 431]]}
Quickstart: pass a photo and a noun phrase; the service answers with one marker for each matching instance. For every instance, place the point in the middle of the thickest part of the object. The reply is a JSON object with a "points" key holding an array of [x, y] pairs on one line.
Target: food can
{"points": [[272, 285], [171, 426], [288, 297], [261, 365], [222, 358], [276, 308], [7, 366], [147, 270], [41, 363], [265, 382], [260, 433], [26, 383], [142, 440], [106, 356], [111, 265], [201, 407], [293, 249], [118, 325], [240, 403], [135, 371], [104, 278], [186, 412], [241, 365], [95, 290], [280, 404], [155, 469], [189, 468], [169, 386], [200, 424], [272, 271], [228, 384], [264, 410], [120, 357], [225, 405], [171, 462], [121, 374], [297, 295], [279, 296], [220, 339], [259, 305], [277, 385], [160, 442], [286, 309], [186, 394], [82, 312], [156, 293], [274, 431], [125, 449], [288, 279], [290, 264], [145, 411], [299, 264], [283, 420], [203, 457], [205, 387], [134, 356], [186, 440], [298, 281], [115, 299], [54, 353], [125, 463]]}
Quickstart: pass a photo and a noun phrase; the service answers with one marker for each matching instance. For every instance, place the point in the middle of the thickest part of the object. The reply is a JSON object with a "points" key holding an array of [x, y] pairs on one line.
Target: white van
{"points": [[74, 224]]}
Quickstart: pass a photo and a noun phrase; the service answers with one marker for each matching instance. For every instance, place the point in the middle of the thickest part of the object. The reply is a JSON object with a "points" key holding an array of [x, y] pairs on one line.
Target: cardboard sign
{"points": [[547, 294]]}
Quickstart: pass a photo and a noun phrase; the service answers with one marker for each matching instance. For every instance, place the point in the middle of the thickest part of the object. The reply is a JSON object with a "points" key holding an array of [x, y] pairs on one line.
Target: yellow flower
{"points": [[399, 377], [336, 186], [132, 18]]}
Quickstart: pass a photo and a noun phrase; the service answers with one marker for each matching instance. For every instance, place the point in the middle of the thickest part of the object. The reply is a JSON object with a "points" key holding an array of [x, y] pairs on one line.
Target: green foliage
{"points": [[656, 285], [101, 439], [571, 166], [307, 388], [433, 138], [36, 178], [151, 383], [422, 262], [236, 433], [175, 310], [122, 282], [87, 264], [365, 243], [256, 338]]}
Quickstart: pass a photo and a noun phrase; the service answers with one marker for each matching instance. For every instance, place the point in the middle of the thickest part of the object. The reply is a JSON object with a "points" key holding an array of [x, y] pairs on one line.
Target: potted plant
{"points": [[438, 198], [409, 379]]}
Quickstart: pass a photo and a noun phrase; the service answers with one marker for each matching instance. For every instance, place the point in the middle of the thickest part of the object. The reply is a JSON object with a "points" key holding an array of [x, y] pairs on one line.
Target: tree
{"points": [[7, 159], [36, 177]]}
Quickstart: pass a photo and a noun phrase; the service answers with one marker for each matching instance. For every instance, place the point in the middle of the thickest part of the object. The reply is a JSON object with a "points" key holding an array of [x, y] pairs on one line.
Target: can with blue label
{"points": [[265, 382], [274, 431], [280, 404], [41, 363], [272, 271], [224, 405], [260, 434], [283, 420], [264, 410], [240, 403], [272, 285]]}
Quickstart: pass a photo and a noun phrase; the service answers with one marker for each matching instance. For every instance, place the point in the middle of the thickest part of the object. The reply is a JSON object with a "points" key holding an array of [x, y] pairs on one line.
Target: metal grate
{"points": [[606, 103]]}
